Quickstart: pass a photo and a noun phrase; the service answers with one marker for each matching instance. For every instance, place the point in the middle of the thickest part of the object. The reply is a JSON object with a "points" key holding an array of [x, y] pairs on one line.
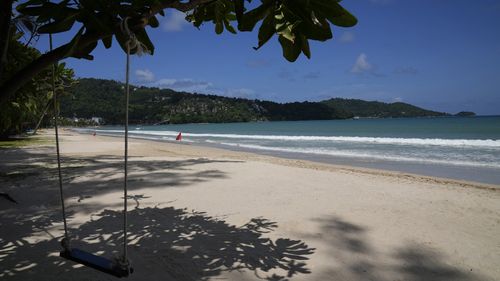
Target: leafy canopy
{"points": [[294, 22], [31, 99]]}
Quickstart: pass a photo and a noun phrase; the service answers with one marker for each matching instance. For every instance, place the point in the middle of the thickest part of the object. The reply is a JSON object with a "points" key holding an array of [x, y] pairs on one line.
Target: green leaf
{"points": [[250, 19], [346, 20], [45, 9], [100, 21], [142, 36], [107, 41], [219, 10], [84, 53], [153, 22], [29, 3], [320, 32], [288, 33], [239, 8], [311, 25], [335, 13], [304, 45], [228, 26], [291, 51], [59, 26], [266, 30], [71, 46], [218, 27], [122, 40]]}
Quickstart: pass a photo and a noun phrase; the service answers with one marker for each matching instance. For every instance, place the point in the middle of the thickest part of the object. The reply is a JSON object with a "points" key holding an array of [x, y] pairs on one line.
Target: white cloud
{"points": [[174, 21], [187, 85], [145, 75], [196, 86], [347, 37], [362, 65]]}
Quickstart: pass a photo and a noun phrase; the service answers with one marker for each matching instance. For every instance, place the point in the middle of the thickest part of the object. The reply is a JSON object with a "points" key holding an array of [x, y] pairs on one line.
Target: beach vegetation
{"points": [[34, 98], [23, 141]]}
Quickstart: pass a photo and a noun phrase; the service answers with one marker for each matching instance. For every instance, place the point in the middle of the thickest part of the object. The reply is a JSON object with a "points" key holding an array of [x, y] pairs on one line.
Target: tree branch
{"points": [[5, 23], [188, 6], [14, 83]]}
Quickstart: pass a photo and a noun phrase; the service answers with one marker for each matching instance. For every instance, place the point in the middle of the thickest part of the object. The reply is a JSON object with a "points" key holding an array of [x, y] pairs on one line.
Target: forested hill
{"points": [[104, 98], [378, 109]]}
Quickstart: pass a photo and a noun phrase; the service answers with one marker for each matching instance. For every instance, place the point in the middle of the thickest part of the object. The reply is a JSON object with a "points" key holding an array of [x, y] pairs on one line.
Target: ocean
{"points": [[465, 148]]}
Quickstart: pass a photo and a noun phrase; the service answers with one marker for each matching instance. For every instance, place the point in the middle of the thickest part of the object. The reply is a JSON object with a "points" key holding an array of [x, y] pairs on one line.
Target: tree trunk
{"points": [[41, 117], [5, 22]]}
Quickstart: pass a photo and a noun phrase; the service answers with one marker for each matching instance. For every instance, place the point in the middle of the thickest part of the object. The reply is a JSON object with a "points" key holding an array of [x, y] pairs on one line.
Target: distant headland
{"points": [[466, 114], [99, 98]]}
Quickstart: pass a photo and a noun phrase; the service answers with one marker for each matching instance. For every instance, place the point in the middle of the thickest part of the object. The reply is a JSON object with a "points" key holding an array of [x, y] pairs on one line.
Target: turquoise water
{"points": [[463, 148]]}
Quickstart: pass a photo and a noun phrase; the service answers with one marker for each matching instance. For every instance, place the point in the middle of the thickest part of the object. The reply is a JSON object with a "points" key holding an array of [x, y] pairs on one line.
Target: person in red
{"points": [[179, 137]]}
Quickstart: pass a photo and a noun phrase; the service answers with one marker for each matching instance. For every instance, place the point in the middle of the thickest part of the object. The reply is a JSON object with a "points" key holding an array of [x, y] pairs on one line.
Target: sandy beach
{"points": [[198, 213]]}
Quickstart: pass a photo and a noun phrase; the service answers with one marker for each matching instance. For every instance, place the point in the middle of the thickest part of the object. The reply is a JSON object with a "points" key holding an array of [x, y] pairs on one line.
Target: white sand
{"points": [[309, 221]]}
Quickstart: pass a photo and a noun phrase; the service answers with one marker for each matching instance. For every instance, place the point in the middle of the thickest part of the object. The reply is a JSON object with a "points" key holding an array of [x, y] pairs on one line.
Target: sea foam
{"points": [[479, 143]]}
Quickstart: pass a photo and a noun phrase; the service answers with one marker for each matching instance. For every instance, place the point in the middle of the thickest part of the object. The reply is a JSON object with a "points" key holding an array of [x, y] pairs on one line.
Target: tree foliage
{"points": [[294, 22], [32, 99], [99, 98], [378, 109]]}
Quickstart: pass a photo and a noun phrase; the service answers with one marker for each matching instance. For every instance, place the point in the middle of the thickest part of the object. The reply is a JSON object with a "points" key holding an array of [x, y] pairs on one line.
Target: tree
{"points": [[32, 99], [295, 22]]}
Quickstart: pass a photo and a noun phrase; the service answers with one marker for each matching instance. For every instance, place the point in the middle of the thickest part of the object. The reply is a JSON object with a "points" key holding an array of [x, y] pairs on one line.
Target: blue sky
{"points": [[439, 54]]}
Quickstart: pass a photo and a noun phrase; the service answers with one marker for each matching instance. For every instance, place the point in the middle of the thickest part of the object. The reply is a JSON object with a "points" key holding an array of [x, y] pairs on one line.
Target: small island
{"points": [[465, 114]]}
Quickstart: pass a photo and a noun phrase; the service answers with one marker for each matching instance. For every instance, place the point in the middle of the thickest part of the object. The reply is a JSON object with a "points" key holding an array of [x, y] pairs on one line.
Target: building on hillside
{"points": [[97, 120]]}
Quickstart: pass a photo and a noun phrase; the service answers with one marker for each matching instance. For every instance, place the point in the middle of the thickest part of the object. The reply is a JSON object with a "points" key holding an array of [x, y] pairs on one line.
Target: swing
{"points": [[116, 267]]}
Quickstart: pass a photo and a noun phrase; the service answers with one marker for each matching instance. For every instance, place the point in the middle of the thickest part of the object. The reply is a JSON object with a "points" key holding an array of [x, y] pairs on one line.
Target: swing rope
{"points": [[139, 48], [131, 43], [127, 94], [65, 241]]}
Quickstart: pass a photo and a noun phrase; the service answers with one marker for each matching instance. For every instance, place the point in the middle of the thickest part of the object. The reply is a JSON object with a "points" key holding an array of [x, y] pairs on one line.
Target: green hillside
{"points": [[378, 109], [104, 98]]}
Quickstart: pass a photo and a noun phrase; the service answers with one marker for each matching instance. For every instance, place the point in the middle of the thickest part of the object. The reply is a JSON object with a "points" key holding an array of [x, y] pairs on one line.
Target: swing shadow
{"points": [[165, 243]]}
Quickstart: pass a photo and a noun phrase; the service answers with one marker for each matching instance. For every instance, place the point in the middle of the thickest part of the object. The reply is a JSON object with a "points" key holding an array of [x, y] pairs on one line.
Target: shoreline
{"points": [[322, 165], [199, 213]]}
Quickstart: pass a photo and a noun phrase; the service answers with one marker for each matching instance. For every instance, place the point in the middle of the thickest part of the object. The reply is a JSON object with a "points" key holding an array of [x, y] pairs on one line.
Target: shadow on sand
{"points": [[165, 243], [84, 178], [170, 243], [350, 247], [177, 244]]}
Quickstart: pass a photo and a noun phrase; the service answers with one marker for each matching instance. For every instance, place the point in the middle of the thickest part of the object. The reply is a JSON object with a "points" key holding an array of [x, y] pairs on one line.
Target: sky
{"points": [[442, 55]]}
